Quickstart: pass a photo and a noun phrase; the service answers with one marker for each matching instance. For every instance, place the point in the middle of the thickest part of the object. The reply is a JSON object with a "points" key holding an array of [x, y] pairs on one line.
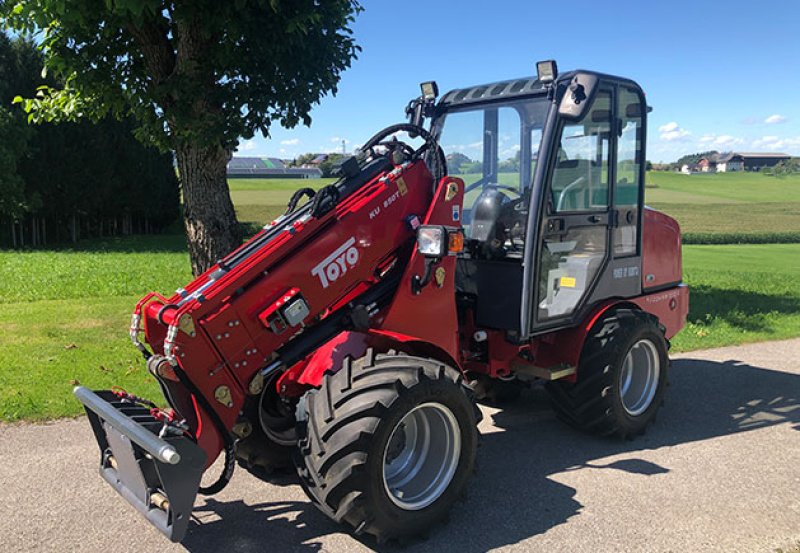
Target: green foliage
{"points": [[13, 143], [83, 170], [302, 159], [471, 168], [201, 72], [761, 237], [17, 62], [784, 168]]}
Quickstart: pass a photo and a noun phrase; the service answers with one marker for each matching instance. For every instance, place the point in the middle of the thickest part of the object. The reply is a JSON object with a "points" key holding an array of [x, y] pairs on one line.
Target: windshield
{"points": [[493, 147]]}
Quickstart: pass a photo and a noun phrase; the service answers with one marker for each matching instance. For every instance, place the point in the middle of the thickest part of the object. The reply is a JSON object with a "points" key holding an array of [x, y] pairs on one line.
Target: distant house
{"points": [[268, 168], [707, 164], [721, 163], [729, 163], [690, 168], [754, 161]]}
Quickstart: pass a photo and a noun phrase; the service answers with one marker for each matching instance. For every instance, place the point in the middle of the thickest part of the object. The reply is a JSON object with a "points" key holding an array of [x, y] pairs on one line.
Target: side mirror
{"points": [[578, 96]]}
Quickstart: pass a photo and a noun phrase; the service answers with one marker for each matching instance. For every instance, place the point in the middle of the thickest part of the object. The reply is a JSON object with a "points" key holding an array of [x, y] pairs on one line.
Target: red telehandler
{"points": [[355, 332]]}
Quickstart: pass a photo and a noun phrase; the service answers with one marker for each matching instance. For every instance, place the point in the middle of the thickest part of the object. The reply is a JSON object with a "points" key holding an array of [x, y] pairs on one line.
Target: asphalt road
{"points": [[719, 471]]}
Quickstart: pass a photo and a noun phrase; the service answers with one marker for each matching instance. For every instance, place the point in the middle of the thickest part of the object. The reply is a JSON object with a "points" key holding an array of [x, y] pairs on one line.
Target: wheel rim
{"points": [[638, 381], [277, 423], [421, 456]]}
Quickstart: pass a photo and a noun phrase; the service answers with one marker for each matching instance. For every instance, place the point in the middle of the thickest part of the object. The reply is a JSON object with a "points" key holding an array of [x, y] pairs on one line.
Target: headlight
{"points": [[432, 241]]}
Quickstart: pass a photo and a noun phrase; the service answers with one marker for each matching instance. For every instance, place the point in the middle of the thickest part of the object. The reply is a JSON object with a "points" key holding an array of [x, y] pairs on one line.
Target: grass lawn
{"points": [[64, 317], [740, 293], [64, 313], [742, 203]]}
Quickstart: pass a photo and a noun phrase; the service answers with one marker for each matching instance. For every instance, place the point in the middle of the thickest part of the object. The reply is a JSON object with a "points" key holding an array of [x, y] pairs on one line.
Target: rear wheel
{"points": [[622, 377], [387, 443]]}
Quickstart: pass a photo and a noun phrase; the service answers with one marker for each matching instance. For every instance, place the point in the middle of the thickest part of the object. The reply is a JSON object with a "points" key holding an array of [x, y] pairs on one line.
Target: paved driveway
{"points": [[720, 471]]}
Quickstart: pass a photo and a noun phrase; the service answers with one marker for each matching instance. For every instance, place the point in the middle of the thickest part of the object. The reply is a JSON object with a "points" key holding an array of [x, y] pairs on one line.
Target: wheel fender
{"points": [[565, 346], [308, 373]]}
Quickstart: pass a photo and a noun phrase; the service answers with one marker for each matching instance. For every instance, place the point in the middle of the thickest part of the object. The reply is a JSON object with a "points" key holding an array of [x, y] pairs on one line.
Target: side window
{"points": [[627, 186], [508, 148], [580, 178]]}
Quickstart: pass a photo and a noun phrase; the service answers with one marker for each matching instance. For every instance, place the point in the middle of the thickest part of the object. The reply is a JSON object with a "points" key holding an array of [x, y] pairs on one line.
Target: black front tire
{"points": [[344, 434], [595, 402]]}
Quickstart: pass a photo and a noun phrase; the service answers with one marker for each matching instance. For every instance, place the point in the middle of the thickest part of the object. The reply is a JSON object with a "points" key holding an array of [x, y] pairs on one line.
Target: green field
{"points": [[258, 201], [728, 203], [64, 314], [747, 205]]}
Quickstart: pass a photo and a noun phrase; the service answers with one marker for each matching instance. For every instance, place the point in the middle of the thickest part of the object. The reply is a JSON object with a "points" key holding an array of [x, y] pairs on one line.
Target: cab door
{"points": [[577, 215]]}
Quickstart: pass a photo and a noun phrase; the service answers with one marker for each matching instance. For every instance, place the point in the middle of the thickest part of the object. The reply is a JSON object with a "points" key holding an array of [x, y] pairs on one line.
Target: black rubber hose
{"points": [[296, 198], [230, 458], [430, 144]]}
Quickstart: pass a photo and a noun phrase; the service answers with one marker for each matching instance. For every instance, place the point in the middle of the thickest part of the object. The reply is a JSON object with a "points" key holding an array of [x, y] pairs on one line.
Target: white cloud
{"points": [[721, 140], [462, 147], [672, 131], [775, 143], [247, 146], [339, 139], [727, 140], [291, 142], [775, 119]]}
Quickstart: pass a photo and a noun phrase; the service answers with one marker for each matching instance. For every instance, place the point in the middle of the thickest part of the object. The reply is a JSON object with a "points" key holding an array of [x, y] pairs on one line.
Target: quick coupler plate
{"points": [[159, 476]]}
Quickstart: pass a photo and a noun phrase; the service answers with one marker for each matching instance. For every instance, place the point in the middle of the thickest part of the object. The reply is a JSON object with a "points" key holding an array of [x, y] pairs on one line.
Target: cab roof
{"points": [[514, 88]]}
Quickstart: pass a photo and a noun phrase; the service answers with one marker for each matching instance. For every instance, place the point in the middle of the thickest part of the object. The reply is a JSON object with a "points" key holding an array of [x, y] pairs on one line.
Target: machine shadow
{"points": [[519, 455]]}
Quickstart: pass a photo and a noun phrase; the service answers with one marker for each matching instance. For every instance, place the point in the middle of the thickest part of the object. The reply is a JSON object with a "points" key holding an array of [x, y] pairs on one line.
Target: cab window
{"points": [[580, 176]]}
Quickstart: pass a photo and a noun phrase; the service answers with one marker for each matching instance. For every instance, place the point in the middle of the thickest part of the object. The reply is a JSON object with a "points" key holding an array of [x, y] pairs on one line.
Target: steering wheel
{"points": [[439, 163], [563, 195]]}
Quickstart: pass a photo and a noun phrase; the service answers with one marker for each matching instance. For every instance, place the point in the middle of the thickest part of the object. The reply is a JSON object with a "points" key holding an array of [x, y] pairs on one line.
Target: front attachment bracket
{"points": [[158, 475]]}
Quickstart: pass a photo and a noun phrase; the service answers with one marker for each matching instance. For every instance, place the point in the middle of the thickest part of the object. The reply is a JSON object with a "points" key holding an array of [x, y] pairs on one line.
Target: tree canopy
{"points": [[195, 76], [189, 70]]}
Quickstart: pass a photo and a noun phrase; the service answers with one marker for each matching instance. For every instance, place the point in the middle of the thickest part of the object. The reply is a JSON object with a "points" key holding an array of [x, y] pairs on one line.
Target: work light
{"points": [[430, 90], [546, 71], [432, 241]]}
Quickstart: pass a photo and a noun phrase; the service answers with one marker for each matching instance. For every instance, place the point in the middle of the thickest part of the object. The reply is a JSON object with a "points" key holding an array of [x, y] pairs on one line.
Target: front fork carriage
{"points": [[157, 472]]}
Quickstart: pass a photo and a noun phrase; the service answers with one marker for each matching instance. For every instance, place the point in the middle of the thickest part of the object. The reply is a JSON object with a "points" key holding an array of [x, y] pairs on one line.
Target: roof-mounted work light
{"points": [[430, 90], [546, 71]]}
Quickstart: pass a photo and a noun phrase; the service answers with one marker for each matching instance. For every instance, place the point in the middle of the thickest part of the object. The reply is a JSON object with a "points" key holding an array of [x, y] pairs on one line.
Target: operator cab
{"points": [[553, 169]]}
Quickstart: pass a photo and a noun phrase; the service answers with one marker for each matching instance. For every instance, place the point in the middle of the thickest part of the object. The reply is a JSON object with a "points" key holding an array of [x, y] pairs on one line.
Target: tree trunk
{"points": [[212, 230]]}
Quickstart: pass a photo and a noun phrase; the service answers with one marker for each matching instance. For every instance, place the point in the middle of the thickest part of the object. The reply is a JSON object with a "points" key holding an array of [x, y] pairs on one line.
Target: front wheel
{"points": [[622, 377], [388, 443]]}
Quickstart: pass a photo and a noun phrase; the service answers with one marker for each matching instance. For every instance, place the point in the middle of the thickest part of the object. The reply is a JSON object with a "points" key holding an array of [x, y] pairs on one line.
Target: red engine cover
{"points": [[661, 254]]}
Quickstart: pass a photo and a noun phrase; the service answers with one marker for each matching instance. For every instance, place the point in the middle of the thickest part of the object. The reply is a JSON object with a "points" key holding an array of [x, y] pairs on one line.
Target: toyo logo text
{"points": [[336, 264]]}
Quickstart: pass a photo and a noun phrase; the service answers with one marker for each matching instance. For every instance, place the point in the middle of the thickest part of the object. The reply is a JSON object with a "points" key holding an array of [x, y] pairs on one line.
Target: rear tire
{"points": [[387, 444], [621, 380]]}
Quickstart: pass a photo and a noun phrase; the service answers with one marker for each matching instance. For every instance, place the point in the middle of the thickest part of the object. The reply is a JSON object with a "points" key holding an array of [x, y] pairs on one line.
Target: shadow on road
{"points": [[512, 496]]}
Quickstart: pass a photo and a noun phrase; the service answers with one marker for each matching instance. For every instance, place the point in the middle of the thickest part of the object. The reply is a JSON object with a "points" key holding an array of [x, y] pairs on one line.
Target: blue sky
{"points": [[719, 75]]}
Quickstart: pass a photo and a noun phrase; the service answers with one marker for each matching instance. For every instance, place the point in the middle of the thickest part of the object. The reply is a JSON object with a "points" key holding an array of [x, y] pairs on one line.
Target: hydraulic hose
{"points": [[230, 458]]}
